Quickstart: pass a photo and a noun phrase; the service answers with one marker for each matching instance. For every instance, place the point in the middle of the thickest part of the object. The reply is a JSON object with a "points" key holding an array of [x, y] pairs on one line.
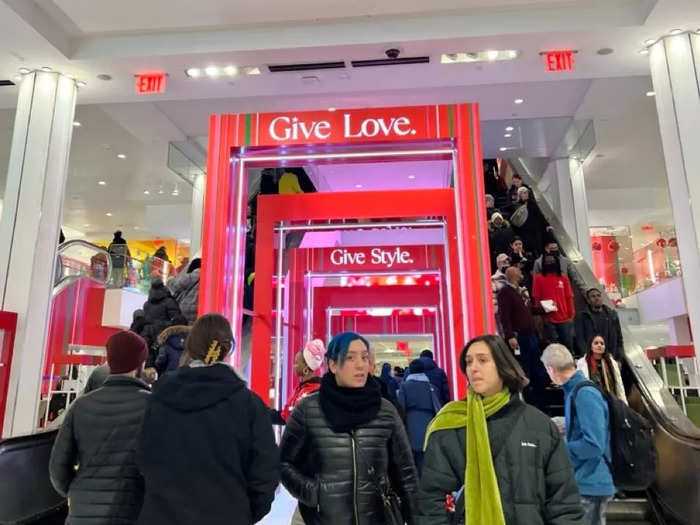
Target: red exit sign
{"points": [[559, 60], [150, 83]]}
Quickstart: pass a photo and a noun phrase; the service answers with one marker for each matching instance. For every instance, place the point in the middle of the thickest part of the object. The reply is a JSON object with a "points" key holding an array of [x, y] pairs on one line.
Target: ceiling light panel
{"points": [[489, 55]]}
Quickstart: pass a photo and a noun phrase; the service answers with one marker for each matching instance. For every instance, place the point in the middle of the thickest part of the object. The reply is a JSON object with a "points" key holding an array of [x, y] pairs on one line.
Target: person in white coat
{"points": [[600, 367]]}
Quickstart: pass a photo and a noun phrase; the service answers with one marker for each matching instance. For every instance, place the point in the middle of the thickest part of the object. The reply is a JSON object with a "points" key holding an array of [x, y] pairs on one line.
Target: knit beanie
{"points": [[126, 351], [313, 354]]}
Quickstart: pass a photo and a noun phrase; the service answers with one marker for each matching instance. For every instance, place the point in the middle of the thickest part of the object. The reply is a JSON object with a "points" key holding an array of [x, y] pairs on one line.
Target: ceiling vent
{"points": [[6, 83], [390, 62], [306, 67]]}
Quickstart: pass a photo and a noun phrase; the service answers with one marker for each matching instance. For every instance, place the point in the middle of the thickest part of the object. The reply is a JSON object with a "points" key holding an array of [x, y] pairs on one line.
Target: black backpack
{"points": [[633, 461]]}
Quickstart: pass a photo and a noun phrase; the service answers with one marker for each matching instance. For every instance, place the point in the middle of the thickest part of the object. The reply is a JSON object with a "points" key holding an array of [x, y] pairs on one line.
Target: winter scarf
{"points": [[346, 408], [482, 505]]}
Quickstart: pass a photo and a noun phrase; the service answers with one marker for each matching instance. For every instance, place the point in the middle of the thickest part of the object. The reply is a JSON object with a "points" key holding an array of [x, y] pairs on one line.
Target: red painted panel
{"points": [[8, 325]]}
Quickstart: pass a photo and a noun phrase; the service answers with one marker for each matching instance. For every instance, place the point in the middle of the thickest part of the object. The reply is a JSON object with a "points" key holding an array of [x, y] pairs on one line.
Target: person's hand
{"points": [[513, 342]]}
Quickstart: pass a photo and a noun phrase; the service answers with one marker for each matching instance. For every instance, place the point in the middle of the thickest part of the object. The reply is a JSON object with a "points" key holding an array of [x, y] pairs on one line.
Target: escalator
{"points": [[675, 496]]}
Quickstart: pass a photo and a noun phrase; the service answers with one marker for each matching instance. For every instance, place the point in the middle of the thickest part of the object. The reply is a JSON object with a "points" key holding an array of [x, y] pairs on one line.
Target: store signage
{"points": [[559, 60], [151, 83], [376, 257], [342, 126]]}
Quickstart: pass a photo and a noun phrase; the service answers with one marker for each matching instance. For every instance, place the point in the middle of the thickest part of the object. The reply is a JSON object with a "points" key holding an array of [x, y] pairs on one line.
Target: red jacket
{"points": [[304, 389], [557, 288]]}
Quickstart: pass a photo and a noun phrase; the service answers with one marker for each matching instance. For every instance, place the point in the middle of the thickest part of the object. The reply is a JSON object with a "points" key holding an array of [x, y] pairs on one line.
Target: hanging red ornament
{"points": [[673, 242], [613, 246], [661, 242], [596, 246], [624, 271]]}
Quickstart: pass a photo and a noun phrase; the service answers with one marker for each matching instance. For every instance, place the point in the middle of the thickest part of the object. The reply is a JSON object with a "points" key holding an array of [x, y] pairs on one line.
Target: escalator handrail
{"points": [[663, 406], [79, 242]]}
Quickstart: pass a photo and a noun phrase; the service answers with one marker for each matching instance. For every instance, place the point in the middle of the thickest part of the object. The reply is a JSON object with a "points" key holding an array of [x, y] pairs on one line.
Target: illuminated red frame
{"points": [[233, 140]]}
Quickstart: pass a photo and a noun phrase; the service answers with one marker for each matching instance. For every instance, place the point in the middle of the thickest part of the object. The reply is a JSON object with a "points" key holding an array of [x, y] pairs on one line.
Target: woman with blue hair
{"points": [[345, 453]]}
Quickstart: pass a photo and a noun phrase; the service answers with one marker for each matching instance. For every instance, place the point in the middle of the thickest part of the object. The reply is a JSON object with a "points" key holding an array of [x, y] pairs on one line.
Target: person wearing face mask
{"points": [[345, 447], [505, 459], [599, 366], [552, 290], [551, 247]]}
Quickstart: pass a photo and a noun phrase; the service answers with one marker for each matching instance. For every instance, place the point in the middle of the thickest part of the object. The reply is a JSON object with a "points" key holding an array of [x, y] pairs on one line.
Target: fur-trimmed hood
{"points": [[173, 330]]}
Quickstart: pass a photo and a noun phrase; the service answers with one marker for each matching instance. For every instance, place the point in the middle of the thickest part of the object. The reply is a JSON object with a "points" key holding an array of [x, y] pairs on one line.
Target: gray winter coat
{"points": [[185, 289], [100, 435]]}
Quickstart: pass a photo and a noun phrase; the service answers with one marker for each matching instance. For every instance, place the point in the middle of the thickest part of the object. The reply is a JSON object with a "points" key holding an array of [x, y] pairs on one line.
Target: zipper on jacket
{"points": [[354, 478]]}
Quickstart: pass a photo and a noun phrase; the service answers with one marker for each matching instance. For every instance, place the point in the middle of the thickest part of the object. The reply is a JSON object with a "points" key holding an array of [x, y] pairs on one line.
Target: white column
{"points": [[198, 188], [675, 65], [580, 207], [29, 231]]}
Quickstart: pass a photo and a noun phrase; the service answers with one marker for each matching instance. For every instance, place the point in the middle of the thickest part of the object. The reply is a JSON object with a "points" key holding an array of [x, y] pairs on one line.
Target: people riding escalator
{"points": [[528, 222], [119, 253]]}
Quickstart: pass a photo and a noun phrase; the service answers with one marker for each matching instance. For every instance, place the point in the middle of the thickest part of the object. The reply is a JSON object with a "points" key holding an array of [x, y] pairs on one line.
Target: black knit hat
{"points": [[126, 351]]}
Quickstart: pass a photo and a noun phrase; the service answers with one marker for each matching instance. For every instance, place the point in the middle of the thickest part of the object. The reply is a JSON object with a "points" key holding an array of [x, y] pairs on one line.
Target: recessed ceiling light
{"points": [[502, 149], [46, 69], [251, 70], [508, 135], [81, 83], [519, 101], [24, 70], [212, 71], [331, 109], [675, 31], [643, 51], [411, 177], [146, 192], [492, 55], [108, 214], [101, 183], [193, 72], [358, 186], [651, 93], [509, 128], [121, 156], [231, 71], [76, 124]]}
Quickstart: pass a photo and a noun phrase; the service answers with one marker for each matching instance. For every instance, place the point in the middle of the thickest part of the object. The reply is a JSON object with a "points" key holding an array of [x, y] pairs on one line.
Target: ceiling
{"points": [[86, 38]]}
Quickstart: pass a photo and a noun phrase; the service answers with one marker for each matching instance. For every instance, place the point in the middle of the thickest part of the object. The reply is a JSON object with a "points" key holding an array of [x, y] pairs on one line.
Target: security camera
{"points": [[392, 52]]}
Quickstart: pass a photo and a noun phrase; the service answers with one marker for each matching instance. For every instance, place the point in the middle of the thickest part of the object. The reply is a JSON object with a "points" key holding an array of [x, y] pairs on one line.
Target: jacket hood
{"points": [[158, 292], [428, 363], [173, 330], [193, 389]]}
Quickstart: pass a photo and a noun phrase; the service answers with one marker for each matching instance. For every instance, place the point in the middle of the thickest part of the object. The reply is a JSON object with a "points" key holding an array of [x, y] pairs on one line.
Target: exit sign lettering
{"points": [[559, 60], [150, 83]]}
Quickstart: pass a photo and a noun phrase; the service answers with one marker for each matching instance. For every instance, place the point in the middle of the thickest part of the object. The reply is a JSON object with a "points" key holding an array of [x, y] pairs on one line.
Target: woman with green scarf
{"points": [[505, 459]]}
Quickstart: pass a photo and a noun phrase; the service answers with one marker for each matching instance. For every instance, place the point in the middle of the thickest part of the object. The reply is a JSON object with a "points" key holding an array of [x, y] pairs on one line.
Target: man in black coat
{"points": [[436, 375], [599, 319], [93, 458]]}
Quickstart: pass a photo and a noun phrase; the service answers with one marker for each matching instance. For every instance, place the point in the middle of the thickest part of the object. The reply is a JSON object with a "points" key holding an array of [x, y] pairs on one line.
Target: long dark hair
{"points": [[510, 372], [590, 357], [210, 339]]}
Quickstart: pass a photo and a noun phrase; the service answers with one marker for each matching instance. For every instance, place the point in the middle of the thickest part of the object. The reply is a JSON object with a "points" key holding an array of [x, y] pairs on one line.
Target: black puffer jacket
{"points": [[100, 434], [161, 311], [328, 472], [532, 466]]}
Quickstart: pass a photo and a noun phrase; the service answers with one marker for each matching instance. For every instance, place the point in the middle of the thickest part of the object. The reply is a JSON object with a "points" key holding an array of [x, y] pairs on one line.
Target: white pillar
{"points": [[580, 207], [675, 65], [198, 188], [29, 231]]}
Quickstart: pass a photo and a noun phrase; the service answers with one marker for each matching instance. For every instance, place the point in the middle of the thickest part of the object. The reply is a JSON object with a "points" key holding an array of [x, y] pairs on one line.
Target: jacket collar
{"points": [[118, 380], [574, 380], [418, 377]]}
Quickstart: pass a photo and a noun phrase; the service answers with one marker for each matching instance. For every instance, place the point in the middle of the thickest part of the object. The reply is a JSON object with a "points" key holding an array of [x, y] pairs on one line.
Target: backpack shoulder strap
{"points": [[572, 403]]}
